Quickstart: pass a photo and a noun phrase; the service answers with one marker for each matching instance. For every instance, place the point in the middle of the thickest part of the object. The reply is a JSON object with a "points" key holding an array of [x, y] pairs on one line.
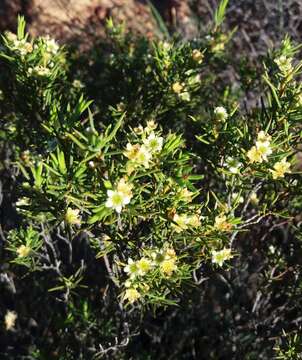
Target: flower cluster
{"points": [[183, 222], [142, 154], [22, 47], [285, 64], [160, 261], [259, 152], [39, 71]]}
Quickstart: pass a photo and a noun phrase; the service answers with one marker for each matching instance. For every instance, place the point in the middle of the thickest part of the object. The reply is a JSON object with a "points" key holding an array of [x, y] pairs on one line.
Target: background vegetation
{"points": [[222, 175]]}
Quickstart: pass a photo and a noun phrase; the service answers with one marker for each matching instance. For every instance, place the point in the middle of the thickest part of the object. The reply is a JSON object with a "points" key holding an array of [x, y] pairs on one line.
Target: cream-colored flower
{"points": [[151, 126], [264, 148], [233, 165], [116, 200], [10, 319], [236, 197], [285, 64], [143, 266], [143, 157], [170, 253], [125, 188], [51, 45], [23, 47], [194, 221], [78, 84], [168, 266], [10, 36], [263, 136], [139, 130], [184, 221], [186, 195], [177, 87], [219, 257], [131, 295], [218, 47], [131, 268], [185, 96], [222, 224], [139, 155], [24, 201], [72, 216], [23, 251], [153, 143], [40, 70], [280, 168], [131, 151], [197, 56], [254, 155], [181, 222], [254, 198], [220, 113]]}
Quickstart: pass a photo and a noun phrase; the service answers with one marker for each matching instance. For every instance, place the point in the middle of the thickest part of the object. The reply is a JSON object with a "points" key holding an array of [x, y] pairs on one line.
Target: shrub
{"points": [[134, 200]]}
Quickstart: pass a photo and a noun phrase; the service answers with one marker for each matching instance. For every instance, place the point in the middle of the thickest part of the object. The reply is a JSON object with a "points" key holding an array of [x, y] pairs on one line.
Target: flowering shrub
{"points": [[126, 201]]}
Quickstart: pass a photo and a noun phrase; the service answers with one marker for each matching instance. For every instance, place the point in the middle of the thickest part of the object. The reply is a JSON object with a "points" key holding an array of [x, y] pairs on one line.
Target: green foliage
{"points": [[127, 202]]}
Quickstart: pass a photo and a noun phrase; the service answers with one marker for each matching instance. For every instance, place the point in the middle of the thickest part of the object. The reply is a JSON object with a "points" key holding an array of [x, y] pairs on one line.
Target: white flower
{"points": [[143, 156], [233, 165], [77, 84], [264, 148], [131, 269], [10, 319], [219, 257], [39, 70], [280, 168], [254, 198], [220, 113], [131, 295], [235, 197], [51, 45], [153, 143], [72, 216], [143, 266], [23, 251], [120, 197], [284, 63]]}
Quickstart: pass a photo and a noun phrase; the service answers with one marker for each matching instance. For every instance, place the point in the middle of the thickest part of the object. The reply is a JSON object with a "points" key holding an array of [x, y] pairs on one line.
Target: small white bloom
{"points": [[143, 266], [219, 257], [154, 143], [264, 148], [10, 319], [51, 45], [143, 156], [131, 269], [233, 165], [220, 113], [285, 64], [120, 197], [77, 84], [235, 196]]}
